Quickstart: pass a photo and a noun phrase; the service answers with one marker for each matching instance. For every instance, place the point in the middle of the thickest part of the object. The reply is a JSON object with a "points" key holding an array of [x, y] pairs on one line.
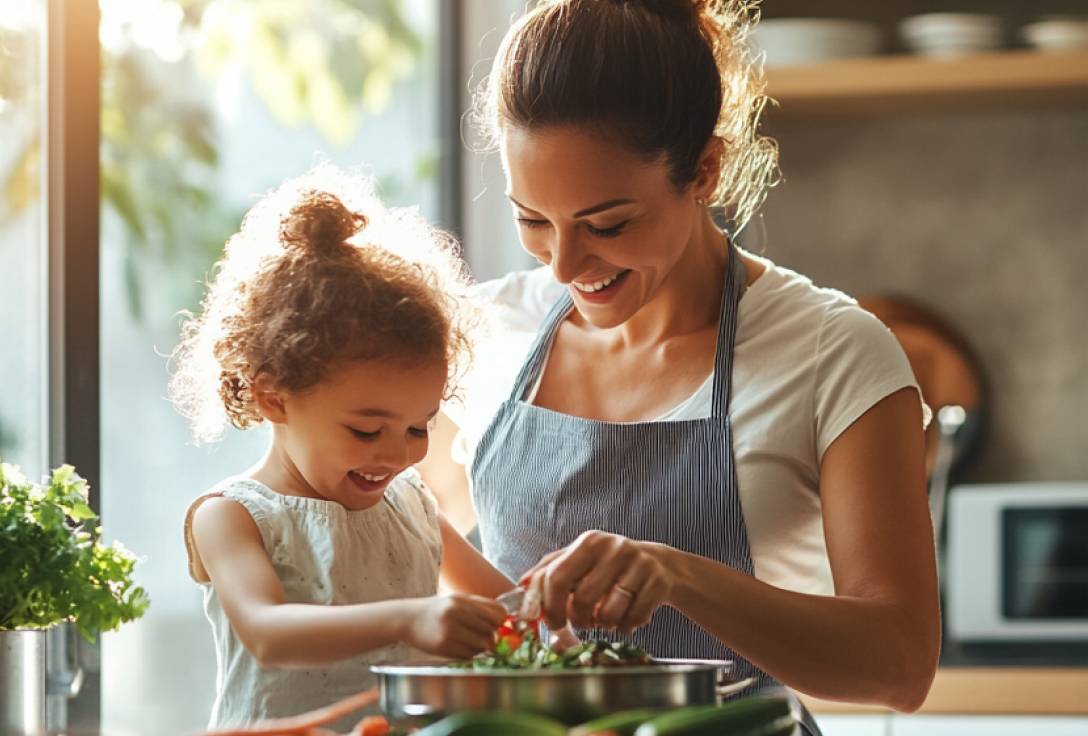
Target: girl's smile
{"points": [[346, 438]]}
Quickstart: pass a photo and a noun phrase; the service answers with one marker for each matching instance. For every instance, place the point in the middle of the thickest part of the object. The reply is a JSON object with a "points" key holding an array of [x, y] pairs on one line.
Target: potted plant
{"points": [[52, 570]]}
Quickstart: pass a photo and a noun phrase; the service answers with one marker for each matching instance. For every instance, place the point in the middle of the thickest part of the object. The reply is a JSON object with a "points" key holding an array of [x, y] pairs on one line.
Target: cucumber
{"points": [[751, 716], [494, 723], [622, 724]]}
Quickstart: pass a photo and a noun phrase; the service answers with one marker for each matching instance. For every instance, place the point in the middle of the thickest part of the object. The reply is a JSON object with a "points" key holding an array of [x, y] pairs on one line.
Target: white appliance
{"points": [[1017, 563]]}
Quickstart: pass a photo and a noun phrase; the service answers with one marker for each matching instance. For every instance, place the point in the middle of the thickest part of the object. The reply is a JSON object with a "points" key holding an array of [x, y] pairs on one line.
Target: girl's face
{"points": [[611, 226], [348, 436]]}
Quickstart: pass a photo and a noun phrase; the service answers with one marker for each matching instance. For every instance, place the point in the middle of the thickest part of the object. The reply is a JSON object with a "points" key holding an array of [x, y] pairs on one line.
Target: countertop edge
{"points": [[990, 691]]}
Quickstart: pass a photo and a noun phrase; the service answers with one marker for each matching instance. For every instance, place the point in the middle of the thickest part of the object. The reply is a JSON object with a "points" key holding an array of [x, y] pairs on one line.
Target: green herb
{"points": [[534, 655], [53, 569]]}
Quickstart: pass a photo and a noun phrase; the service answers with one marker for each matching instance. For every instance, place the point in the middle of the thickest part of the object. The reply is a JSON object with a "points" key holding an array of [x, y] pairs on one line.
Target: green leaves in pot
{"points": [[53, 570]]}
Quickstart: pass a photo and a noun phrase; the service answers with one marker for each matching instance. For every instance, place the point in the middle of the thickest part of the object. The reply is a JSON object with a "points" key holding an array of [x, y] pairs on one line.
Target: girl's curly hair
{"points": [[320, 272]]}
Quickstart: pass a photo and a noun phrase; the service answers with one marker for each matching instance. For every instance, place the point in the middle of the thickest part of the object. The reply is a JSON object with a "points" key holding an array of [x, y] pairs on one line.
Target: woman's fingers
{"points": [[544, 562], [559, 578], [645, 602], [621, 597], [615, 560]]}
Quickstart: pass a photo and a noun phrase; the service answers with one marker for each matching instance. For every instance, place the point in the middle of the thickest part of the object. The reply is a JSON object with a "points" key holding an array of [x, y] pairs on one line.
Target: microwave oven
{"points": [[1016, 567]]}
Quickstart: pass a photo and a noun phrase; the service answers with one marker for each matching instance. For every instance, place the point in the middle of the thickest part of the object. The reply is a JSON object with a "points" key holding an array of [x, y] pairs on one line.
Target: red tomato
{"points": [[512, 640]]}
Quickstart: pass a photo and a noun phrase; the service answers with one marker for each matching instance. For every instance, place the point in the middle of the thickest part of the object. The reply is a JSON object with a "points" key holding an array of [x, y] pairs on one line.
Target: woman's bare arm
{"points": [[875, 641]]}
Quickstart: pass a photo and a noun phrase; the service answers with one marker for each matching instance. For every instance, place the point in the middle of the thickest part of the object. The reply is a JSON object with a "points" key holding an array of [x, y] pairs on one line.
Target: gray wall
{"points": [[984, 217]]}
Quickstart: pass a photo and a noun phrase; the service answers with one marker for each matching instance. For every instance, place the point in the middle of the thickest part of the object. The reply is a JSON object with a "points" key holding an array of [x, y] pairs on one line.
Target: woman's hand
{"points": [[601, 579], [457, 626]]}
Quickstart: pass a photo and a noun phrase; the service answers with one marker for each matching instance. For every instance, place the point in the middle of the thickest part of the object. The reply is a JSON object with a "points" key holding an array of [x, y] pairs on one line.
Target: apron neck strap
{"points": [[735, 276]]}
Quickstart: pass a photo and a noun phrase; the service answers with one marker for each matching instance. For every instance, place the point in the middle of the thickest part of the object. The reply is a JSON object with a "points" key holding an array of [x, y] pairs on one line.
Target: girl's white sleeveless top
{"points": [[323, 554]]}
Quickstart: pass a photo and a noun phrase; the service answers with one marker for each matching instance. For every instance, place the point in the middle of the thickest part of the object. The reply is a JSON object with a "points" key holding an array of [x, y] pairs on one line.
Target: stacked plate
{"points": [[951, 34], [1057, 34], [789, 41]]}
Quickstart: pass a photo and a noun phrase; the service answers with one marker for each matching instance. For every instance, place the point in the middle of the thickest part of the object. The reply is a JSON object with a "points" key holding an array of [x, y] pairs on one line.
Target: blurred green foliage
{"points": [[325, 63]]}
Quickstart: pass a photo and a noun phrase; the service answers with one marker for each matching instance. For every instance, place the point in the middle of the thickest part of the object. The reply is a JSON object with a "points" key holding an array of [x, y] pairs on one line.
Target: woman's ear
{"points": [[269, 399], [708, 171]]}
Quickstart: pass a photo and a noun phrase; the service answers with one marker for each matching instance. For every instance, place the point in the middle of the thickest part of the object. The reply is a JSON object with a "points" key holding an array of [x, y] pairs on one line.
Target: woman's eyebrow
{"points": [[601, 207]]}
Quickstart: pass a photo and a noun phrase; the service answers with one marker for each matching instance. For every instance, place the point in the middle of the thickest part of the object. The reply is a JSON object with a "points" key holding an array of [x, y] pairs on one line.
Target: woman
{"points": [[702, 452]]}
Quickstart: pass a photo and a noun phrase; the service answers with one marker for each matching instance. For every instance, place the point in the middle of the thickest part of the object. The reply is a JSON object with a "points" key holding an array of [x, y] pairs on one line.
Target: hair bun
{"points": [[320, 223]]}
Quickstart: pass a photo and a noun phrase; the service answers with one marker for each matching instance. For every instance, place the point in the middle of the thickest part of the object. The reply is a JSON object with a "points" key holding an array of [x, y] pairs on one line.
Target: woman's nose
{"points": [[566, 256]]}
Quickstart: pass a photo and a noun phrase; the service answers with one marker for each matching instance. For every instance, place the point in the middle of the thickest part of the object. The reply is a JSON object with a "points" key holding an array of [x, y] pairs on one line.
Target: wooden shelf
{"points": [[890, 84]]}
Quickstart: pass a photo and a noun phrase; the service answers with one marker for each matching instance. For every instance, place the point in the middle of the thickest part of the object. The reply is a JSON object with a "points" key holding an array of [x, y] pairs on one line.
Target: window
{"points": [[23, 238], [206, 105]]}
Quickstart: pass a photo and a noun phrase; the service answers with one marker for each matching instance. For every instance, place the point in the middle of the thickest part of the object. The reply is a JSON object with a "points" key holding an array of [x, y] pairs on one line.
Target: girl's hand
{"points": [[457, 626], [601, 579]]}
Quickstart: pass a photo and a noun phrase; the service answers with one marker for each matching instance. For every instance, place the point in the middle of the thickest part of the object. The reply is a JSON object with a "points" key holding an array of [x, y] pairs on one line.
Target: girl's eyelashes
{"points": [[422, 432], [530, 223]]}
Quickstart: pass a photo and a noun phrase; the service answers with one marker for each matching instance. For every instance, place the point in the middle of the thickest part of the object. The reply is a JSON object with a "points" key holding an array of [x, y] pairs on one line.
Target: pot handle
{"points": [[727, 689]]}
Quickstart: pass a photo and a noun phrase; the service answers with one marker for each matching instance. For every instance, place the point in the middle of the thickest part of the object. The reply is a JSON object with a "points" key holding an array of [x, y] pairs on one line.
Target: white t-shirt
{"points": [[808, 363]]}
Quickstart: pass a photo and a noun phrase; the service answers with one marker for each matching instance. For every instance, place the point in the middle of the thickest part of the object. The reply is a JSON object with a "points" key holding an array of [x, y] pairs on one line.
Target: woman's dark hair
{"points": [[662, 77]]}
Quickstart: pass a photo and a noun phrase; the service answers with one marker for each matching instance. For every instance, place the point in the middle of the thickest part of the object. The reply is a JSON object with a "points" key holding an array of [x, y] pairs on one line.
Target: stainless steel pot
{"points": [[571, 696]]}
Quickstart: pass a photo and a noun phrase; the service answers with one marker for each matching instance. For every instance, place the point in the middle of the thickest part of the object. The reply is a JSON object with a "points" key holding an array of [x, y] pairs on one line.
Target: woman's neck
{"points": [[689, 300]]}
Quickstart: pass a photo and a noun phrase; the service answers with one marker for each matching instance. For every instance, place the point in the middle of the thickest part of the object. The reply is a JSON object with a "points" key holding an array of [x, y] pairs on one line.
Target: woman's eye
{"points": [[365, 436], [419, 431], [608, 232], [530, 223]]}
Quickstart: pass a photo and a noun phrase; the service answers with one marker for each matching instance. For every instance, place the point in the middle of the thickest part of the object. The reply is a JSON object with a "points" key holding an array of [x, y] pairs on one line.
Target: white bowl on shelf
{"points": [[1057, 34], [951, 34], [794, 41]]}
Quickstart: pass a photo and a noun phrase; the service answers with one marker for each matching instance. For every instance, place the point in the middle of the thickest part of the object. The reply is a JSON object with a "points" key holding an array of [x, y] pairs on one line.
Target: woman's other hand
{"points": [[603, 580], [458, 626]]}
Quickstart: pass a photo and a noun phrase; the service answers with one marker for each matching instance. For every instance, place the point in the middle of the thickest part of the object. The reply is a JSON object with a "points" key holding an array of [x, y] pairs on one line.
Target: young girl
{"points": [[330, 319]]}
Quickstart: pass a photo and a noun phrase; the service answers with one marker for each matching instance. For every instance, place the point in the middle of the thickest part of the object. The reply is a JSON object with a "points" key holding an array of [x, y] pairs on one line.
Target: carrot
{"points": [[371, 726], [306, 724]]}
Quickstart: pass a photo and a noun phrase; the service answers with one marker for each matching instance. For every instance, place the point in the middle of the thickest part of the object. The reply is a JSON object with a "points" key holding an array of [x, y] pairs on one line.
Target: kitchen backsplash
{"points": [[983, 217]]}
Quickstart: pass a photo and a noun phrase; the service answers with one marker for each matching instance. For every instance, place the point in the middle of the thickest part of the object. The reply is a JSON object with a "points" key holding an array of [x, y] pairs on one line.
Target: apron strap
{"points": [[530, 371], [735, 276]]}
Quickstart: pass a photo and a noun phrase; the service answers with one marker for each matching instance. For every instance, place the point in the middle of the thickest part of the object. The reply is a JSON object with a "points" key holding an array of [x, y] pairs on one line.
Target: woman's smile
{"points": [[600, 290]]}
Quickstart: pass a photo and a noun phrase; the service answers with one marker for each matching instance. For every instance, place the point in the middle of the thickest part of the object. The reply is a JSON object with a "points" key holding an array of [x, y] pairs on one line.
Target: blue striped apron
{"points": [[541, 478]]}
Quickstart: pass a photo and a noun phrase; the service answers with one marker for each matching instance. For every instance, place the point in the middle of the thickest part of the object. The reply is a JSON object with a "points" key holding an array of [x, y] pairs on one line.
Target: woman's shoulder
{"points": [[521, 299]]}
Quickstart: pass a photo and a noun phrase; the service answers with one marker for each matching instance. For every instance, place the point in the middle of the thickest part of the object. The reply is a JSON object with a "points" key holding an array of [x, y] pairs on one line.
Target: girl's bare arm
{"points": [[283, 634]]}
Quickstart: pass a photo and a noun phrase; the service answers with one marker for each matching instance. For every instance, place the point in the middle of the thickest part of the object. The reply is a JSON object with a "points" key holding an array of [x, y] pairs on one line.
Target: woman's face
{"points": [[611, 226]]}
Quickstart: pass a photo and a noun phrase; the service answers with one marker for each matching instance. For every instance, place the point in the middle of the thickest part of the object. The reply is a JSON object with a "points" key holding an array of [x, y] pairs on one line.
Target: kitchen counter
{"points": [[992, 690]]}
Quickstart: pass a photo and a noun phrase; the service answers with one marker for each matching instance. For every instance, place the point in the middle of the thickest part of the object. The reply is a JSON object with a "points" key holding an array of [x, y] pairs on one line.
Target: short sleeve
{"points": [[858, 363]]}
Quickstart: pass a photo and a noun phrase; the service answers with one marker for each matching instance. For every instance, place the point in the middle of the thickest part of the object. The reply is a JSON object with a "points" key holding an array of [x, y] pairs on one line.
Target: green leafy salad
{"points": [[527, 652]]}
